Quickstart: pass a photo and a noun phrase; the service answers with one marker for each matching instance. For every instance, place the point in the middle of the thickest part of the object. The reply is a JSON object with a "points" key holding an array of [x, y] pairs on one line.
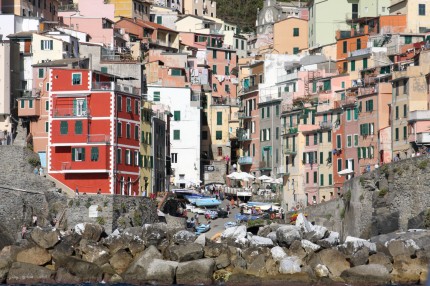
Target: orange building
{"points": [[290, 36]]}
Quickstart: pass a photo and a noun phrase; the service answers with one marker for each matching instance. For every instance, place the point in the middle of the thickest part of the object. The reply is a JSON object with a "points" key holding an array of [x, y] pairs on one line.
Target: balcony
{"points": [[243, 135], [244, 115], [287, 77], [368, 90], [68, 7], [282, 170], [290, 151], [423, 138], [349, 100], [417, 115], [249, 89], [101, 166], [225, 101], [71, 112], [265, 165], [28, 107], [245, 160], [326, 125], [113, 86], [290, 130]]}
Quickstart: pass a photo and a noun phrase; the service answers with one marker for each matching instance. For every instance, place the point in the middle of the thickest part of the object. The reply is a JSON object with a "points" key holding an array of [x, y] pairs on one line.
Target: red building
{"points": [[94, 132]]}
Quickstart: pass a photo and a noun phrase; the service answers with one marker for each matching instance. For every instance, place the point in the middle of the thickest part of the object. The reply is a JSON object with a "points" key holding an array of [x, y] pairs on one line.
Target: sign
{"points": [[209, 168], [92, 211]]}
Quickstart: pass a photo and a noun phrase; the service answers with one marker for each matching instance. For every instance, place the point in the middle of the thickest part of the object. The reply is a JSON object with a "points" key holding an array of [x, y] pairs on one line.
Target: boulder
{"points": [[354, 244], [260, 241], [290, 265], [297, 250], [196, 272], [363, 274], [84, 270], [234, 232], [360, 257], [334, 261], [120, 261], [407, 270], [153, 234], [309, 247], [5, 264], [45, 238], [34, 255], [278, 253], [258, 266], [10, 252], [92, 231], [132, 231], [184, 237], [201, 239], [159, 272], [136, 246], [68, 244], [285, 235], [251, 253], [94, 253], [272, 267], [140, 262], [264, 230], [400, 247], [331, 240], [24, 273], [118, 241], [187, 252], [108, 269], [238, 262], [381, 259], [221, 276], [272, 237], [223, 260], [64, 277], [175, 223], [303, 223], [321, 271], [317, 233]]}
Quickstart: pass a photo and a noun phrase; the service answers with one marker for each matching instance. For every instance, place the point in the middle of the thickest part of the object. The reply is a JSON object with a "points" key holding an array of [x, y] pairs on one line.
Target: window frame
{"points": [[80, 78]]}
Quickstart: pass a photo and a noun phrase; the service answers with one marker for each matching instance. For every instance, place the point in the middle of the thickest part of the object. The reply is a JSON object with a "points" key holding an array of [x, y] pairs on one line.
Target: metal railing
{"points": [[225, 101], [244, 115], [243, 135], [70, 112], [245, 160], [110, 85], [326, 125]]}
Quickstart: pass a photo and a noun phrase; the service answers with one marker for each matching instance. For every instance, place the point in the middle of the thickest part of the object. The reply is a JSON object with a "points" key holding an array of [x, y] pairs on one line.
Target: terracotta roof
{"points": [[22, 35], [147, 24]]}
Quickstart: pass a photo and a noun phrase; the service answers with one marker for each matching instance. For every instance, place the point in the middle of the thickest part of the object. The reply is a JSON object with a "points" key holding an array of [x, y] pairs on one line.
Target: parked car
{"points": [[211, 214]]}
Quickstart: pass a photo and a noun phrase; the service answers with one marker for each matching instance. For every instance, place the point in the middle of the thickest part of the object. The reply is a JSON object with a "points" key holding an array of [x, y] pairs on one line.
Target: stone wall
{"points": [[394, 197]]}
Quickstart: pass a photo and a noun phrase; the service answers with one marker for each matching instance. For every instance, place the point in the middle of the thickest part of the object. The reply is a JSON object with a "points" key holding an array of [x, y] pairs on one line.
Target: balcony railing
{"points": [[267, 165], [368, 90], [290, 130], [290, 151], [70, 112], [244, 115], [225, 101], [243, 135], [98, 138], [68, 7], [419, 115], [249, 89], [281, 170], [245, 160], [287, 77], [326, 125], [110, 85]]}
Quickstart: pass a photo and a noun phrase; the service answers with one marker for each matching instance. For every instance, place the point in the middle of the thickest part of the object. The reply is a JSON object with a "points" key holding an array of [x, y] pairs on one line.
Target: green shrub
{"points": [[342, 213], [99, 209], [384, 169], [383, 192], [105, 203], [347, 196], [255, 222], [121, 222], [33, 161], [137, 218], [362, 180], [396, 169], [78, 203], [71, 203], [423, 164], [100, 220]]}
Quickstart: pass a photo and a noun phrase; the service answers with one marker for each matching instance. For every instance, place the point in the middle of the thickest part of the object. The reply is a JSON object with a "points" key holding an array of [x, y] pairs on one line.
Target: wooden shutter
{"points": [[73, 155]]}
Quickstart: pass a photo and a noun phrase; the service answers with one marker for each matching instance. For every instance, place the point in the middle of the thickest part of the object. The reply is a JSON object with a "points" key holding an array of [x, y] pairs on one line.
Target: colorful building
{"points": [[290, 36], [92, 147]]}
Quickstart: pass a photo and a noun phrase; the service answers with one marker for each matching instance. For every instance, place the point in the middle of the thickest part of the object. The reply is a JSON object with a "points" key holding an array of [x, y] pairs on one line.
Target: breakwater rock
{"points": [[164, 254]]}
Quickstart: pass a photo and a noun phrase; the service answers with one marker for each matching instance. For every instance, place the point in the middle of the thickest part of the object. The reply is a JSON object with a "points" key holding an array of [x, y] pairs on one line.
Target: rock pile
{"points": [[163, 255]]}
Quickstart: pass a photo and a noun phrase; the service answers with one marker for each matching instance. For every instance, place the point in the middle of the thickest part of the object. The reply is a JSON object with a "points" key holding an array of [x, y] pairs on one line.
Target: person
{"points": [[34, 220], [397, 158], [232, 203], [192, 223], [41, 173], [36, 170], [23, 231], [228, 209], [77, 191], [196, 217], [99, 191]]}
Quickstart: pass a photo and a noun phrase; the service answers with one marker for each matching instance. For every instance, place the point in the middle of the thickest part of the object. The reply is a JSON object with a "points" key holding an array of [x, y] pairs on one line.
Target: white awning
{"points": [[345, 172]]}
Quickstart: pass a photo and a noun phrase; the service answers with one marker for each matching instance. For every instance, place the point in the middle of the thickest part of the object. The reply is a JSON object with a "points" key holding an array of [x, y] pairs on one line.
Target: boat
{"points": [[230, 224], [202, 228], [207, 202]]}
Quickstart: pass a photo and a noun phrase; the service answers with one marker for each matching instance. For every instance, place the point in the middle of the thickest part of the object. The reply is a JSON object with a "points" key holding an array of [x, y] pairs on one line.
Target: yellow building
{"points": [[146, 161], [131, 9], [45, 9]]}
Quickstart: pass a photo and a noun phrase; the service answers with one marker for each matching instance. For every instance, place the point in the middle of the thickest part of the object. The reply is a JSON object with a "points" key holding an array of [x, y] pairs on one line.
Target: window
{"points": [[307, 140], [214, 54], [348, 114], [47, 105], [136, 158], [408, 39], [405, 86], [330, 179], [156, 96], [421, 9], [177, 115], [345, 66], [47, 86], [119, 102], [78, 127], [64, 128], [345, 47], [262, 113], [338, 142], [358, 44], [277, 110], [78, 154], [356, 112], [128, 104], [159, 20], [128, 131], [405, 132], [94, 154], [226, 70], [405, 110], [136, 106], [315, 177], [307, 177], [204, 135], [365, 63], [174, 157], [353, 65], [30, 103], [369, 105], [136, 132], [295, 50], [253, 150], [277, 133], [214, 87], [295, 32], [127, 157], [349, 141], [46, 126], [321, 179], [320, 137], [119, 129], [176, 134], [321, 158], [355, 140], [219, 118], [397, 112], [218, 135], [329, 136], [219, 149], [315, 139], [397, 134], [76, 78], [242, 45], [214, 69], [268, 112], [329, 157], [41, 73], [339, 165], [46, 45]]}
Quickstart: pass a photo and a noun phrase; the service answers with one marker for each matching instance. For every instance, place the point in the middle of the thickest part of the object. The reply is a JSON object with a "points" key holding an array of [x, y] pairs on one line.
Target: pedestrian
{"points": [[196, 217], [232, 203], [41, 173], [77, 191], [34, 220], [23, 231], [36, 170], [228, 209], [99, 191]]}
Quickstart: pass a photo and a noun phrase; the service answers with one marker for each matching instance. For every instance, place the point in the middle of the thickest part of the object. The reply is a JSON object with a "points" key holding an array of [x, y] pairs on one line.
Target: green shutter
{"points": [[74, 107], [226, 70], [219, 118], [330, 179], [159, 20], [214, 69], [22, 103], [365, 63], [30, 103], [355, 113], [41, 44], [83, 154], [321, 179], [78, 127], [314, 86], [321, 158], [63, 127], [142, 137], [104, 69], [51, 42], [140, 160], [176, 135], [149, 138], [73, 155], [41, 73], [177, 115], [304, 157], [359, 153], [151, 160]]}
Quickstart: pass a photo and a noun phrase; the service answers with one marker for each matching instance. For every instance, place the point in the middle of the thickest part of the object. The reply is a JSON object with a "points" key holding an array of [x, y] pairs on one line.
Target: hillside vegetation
{"points": [[241, 12]]}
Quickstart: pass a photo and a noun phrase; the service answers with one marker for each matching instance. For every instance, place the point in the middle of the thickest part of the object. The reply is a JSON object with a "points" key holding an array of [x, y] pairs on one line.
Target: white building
{"points": [[164, 16], [184, 132]]}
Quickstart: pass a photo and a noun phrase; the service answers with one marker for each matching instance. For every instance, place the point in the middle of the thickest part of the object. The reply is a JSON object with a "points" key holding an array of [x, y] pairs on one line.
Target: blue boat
{"points": [[207, 202], [202, 228]]}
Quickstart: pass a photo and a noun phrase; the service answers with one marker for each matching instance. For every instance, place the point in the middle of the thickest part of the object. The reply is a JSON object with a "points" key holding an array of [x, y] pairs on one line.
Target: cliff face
{"points": [[394, 197]]}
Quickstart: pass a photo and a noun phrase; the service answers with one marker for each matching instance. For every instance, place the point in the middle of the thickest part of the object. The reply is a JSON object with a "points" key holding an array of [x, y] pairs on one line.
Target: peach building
{"points": [[290, 35]]}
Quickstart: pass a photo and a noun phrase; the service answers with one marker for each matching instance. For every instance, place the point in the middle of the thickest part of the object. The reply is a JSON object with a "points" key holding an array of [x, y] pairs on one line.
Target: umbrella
{"points": [[264, 178], [234, 176], [345, 172]]}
